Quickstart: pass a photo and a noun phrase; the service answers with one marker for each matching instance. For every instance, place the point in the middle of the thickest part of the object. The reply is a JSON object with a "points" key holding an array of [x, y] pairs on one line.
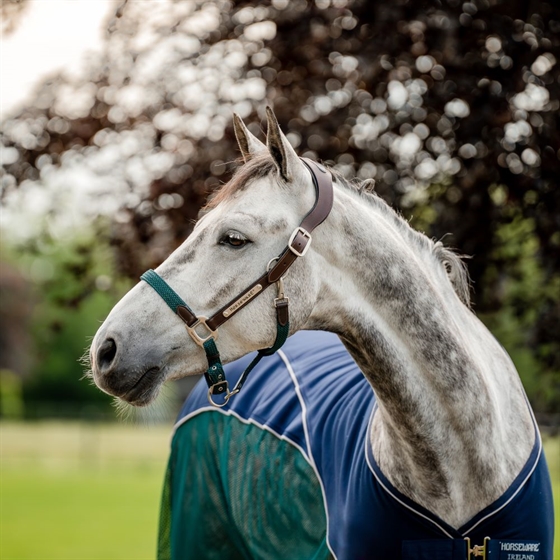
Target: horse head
{"points": [[244, 228]]}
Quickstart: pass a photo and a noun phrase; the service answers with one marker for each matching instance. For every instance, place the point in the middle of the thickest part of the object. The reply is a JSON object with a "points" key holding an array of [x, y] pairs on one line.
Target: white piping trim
{"points": [[529, 474], [512, 496], [387, 489], [244, 421], [308, 441], [492, 513]]}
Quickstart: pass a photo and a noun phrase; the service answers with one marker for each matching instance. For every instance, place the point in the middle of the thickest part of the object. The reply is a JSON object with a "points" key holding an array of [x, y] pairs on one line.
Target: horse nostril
{"points": [[106, 353]]}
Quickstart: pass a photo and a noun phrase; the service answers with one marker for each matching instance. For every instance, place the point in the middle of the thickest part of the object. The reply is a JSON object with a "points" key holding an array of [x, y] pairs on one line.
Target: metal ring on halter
{"points": [[227, 396], [270, 263]]}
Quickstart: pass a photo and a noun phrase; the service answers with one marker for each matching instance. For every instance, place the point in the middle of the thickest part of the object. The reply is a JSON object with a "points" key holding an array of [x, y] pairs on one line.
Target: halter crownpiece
{"points": [[203, 330]]}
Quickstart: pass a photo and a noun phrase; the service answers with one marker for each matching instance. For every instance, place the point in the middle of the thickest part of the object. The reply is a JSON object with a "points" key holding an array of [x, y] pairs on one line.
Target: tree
{"points": [[451, 106], [54, 293]]}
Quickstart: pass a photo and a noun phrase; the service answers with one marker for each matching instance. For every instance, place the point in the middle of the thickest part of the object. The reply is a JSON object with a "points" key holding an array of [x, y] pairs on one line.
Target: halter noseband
{"points": [[298, 245]]}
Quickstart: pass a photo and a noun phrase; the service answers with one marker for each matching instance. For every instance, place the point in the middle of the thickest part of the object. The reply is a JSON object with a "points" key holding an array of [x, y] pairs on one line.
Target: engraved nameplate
{"points": [[242, 300]]}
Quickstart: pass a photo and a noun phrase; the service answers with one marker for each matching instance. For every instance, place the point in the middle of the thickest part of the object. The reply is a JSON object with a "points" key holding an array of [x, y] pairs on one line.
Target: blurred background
{"points": [[115, 127]]}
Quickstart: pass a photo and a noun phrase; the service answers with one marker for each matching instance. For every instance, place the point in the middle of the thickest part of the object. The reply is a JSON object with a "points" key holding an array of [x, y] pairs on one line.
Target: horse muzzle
{"points": [[135, 380]]}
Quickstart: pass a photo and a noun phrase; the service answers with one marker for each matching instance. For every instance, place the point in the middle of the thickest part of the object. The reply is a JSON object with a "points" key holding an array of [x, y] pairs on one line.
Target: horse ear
{"points": [[248, 143], [287, 161]]}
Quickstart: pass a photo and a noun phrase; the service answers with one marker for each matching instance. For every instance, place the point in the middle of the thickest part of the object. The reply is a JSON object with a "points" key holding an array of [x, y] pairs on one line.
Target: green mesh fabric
{"points": [[236, 491]]}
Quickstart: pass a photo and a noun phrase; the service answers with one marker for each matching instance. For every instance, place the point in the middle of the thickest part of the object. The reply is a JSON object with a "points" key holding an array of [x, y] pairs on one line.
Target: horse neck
{"points": [[453, 429]]}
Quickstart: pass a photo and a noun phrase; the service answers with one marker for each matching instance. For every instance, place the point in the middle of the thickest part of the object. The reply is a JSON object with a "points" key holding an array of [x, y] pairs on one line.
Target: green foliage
{"points": [[72, 292], [11, 400], [518, 293]]}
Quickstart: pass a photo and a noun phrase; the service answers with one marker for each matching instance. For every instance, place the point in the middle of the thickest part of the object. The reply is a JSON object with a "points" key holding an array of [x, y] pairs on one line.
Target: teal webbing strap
{"points": [[215, 376], [167, 293], [282, 332]]}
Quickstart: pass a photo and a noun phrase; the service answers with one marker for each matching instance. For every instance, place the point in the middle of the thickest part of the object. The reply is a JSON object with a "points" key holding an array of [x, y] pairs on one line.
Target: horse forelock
{"points": [[259, 166], [262, 165]]}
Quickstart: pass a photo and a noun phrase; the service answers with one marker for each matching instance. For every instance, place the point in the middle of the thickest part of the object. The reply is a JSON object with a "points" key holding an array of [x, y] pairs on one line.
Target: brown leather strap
{"points": [[238, 303], [282, 312], [187, 315], [323, 204], [297, 246], [324, 200]]}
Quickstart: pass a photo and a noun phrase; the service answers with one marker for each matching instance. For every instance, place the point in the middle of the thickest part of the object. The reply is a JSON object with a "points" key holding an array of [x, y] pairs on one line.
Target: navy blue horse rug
{"points": [[285, 471]]}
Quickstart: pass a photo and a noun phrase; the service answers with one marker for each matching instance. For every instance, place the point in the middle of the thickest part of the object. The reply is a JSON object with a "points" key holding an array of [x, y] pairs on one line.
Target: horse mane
{"points": [[261, 165], [446, 257]]}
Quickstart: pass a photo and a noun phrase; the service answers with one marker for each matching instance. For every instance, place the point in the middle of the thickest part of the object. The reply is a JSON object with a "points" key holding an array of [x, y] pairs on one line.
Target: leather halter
{"points": [[298, 245]]}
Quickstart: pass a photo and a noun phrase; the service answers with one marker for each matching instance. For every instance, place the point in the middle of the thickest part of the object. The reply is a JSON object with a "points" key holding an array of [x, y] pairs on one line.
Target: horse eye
{"points": [[234, 239]]}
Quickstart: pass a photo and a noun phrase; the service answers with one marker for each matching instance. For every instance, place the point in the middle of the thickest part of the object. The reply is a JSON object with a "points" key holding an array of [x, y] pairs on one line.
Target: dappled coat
{"points": [[285, 471]]}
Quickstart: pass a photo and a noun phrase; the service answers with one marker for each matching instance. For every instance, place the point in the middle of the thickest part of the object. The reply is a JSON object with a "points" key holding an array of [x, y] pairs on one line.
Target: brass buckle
{"points": [[200, 340], [478, 550], [281, 297], [306, 234]]}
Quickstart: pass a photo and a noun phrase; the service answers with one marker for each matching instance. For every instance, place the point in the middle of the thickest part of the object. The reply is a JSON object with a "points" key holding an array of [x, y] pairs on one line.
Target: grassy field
{"points": [[552, 452], [91, 492], [80, 491]]}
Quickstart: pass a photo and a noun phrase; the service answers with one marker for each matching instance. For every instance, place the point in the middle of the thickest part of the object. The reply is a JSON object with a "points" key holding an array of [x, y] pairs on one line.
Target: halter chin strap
{"points": [[203, 330]]}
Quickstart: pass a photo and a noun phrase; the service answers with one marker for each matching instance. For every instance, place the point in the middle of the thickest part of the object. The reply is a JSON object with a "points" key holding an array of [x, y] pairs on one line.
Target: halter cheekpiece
{"points": [[204, 331]]}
